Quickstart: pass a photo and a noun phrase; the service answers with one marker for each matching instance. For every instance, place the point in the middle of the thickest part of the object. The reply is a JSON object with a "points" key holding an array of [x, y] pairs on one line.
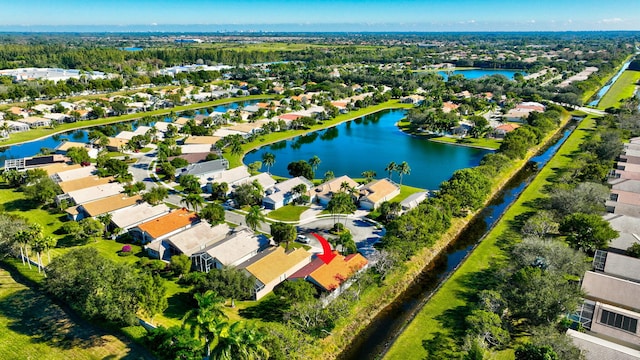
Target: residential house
{"points": [[629, 229], [188, 241], [74, 173], [448, 107], [232, 177], [412, 201], [239, 246], [116, 144], [135, 215], [282, 193], [66, 145], [323, 193], [502, 130], [79, 197], [22, 164], [265, 180], [205, 171], [192, 158], [376, 192], [14, 126], [103, 206], [52, 169], [625, 170], [610, 310], [273, 266], [35, 122], [58, 118], [164, 226], [202, 140], [334, 275], [83, 183]]}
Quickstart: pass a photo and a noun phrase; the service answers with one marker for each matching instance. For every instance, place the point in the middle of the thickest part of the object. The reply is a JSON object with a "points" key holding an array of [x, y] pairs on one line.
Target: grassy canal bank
{"points": [[451, 300]]}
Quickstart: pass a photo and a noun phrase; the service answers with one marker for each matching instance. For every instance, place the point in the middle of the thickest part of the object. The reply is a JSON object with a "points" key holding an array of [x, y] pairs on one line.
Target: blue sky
{"points": [[330, 15]]}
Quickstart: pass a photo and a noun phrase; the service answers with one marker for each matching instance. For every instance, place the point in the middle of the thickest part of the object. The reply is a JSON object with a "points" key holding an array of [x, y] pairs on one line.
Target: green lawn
{"points": [[31, 326], [405, 191], [14, 202], [287, 213], [447, 307], [491, 144], [622, 89]]}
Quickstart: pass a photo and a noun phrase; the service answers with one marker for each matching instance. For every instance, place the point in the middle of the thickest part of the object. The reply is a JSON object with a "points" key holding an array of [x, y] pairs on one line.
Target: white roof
{"points": [[233, 176], [237, 246], [195, 148], [95, 192], [598, 348], [414, 199], [137, 214], [198, 237], [126, 135], [224, 132], [281, 189], [623, 223], [55, 116], [263, 179], [75, 173]]}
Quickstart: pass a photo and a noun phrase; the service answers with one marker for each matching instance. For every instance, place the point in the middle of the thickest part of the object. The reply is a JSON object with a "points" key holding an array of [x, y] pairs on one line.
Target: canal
{"points": [[374, 340]]}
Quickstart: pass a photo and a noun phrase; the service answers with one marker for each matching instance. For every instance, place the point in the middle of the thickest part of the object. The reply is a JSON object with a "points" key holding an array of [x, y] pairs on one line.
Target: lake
{"points": [[370, 143], [478, 73]]}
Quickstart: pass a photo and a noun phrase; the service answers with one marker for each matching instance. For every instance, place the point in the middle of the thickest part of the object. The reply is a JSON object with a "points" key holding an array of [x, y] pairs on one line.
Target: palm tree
{"points": [[391, 167], [268, 159], [22, 237], [105, 219], [240, 342], [49, 242], [206, 321], [345, 187], [5, 128], [403, 169], [38, 244], [329, 175], [369, 175], [192, 200], [236, 147], [314, 162], [254, 217]]}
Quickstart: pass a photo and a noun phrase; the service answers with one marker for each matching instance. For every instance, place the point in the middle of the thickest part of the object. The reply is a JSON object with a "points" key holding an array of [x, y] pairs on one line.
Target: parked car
{"points": [[302, 239]]}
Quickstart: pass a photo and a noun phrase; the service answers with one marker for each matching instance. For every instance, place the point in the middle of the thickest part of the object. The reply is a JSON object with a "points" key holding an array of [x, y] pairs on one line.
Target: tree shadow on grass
{"points": [[271, 309], [179, 304], [34, 315], [20, 205]]}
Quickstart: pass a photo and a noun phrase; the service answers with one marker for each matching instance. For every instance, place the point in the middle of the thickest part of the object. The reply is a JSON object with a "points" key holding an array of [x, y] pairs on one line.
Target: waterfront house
{"points": [[376, 192], [35, 122], [323, 193], [412, 201], [282, 193], [23, 164]]}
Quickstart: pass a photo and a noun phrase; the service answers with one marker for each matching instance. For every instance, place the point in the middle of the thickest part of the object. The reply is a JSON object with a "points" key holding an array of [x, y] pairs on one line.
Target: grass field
{"points": [[622, 89], [33, 327], [448, 307], [287, 213]]}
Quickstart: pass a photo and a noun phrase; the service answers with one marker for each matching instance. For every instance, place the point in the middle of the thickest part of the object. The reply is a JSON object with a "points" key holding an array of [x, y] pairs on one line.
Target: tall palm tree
{"points": [[240, 341], [207, 320], [49, 242], [235, 147], [391, 167], [268, 159], [23, 237], [403, 169], [314, 162], [5, 128], [254, 217], [38, 244]]}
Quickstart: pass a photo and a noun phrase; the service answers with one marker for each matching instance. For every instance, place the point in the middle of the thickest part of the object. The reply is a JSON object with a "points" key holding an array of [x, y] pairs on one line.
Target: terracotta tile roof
{"points": [[168, 223], [110, 203], [330, 276], [290, 117], [83, 183], [507, 127], [275, 263]]}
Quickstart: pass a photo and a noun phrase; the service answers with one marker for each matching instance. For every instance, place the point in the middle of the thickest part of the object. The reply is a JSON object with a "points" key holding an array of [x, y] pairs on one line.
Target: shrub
{"points": [[125, 251]]}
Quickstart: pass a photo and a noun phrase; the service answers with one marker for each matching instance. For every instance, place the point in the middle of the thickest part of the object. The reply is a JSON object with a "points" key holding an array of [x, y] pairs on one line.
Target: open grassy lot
{"points": [[287, 213], [446, 310], [32, 326], [622, 89]]}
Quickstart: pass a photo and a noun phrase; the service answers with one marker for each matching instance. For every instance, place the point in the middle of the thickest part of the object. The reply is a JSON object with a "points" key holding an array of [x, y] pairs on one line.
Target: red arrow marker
{"points": [[327, 255]]}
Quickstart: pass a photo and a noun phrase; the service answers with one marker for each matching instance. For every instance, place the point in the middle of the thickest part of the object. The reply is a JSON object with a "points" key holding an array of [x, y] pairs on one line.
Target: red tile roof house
{"points": [[332, 278], [502, 130], [164, 226]]}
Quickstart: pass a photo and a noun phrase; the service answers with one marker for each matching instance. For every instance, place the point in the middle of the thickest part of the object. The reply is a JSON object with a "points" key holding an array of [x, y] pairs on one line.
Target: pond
{"points": [[371, 143], [34, 147], [478, 73]]}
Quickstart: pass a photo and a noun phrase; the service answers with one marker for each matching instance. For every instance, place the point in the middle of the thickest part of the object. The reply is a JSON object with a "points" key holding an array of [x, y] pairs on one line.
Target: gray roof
{"points": [[237, 246], [198, 237], [611, 290], [596, 348], [414, 199], [627, 185], [204, 168], [622, 266]]}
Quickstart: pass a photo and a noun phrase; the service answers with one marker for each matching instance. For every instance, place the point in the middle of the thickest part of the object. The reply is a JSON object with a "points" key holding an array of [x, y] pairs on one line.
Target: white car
{"points": [[302, 239]]}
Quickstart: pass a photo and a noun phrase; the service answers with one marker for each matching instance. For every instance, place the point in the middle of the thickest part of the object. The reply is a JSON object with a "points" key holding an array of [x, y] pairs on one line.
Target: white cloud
{"points": [[612, 20], [154, 24]]}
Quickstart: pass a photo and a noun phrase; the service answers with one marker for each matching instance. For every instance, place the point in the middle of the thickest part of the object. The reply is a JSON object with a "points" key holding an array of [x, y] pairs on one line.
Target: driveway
{"points": [[364, 233]]}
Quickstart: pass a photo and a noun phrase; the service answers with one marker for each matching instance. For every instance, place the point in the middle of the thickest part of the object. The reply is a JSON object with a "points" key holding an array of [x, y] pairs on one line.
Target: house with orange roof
{"points": [[273, 266], [376, 192], [448, 107], [289, 117], [164, 226], [334, 275], [502, 130]]}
